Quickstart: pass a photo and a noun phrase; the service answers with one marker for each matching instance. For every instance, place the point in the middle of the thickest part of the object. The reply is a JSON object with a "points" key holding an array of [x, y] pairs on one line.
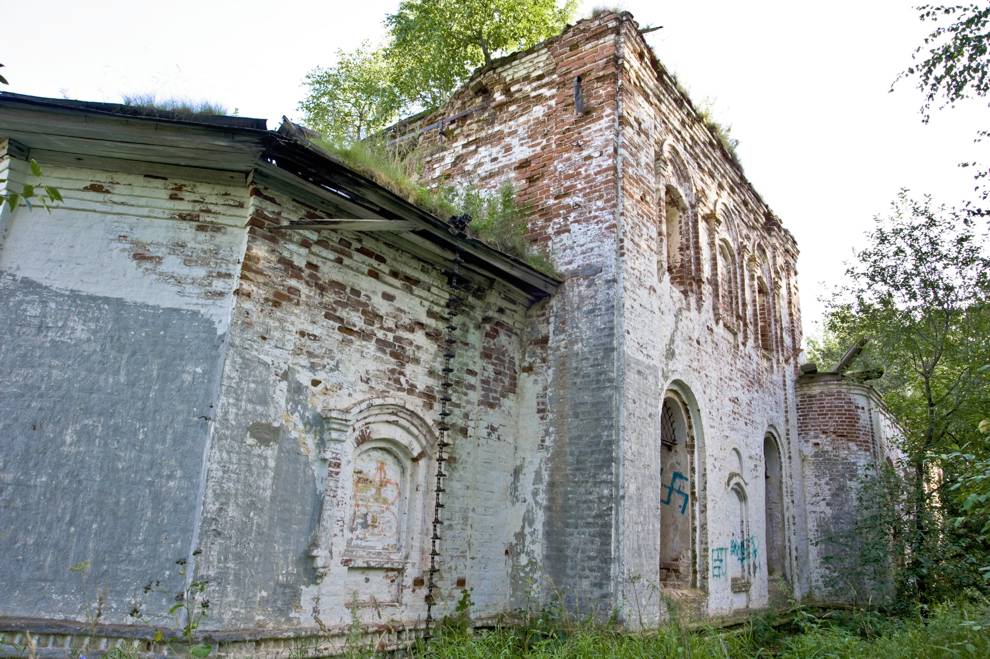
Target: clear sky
{"points": [[804, 86]]}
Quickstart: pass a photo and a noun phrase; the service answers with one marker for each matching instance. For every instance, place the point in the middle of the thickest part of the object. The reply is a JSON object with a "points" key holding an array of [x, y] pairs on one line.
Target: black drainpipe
{"points": [[455, 302]]}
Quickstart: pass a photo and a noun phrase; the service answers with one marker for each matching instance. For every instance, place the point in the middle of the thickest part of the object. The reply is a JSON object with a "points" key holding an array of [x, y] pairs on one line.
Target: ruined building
{"points": [[231, 364]]}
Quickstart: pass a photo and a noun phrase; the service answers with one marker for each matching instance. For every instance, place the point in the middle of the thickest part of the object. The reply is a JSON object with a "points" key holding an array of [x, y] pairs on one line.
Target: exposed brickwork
{"points": [[599, 183], [294, 431], [845, 434], [563, 165], [324, 321]]}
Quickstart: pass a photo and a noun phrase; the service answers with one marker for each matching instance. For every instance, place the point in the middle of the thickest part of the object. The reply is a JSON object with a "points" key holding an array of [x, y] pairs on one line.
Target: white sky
{"points": [[804, 86]]}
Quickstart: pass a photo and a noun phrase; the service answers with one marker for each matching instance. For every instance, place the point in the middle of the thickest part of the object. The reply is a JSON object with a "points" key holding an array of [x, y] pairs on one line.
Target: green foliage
{"points": [[433, 46], [867, 559], [458, 623], [436, 44], [598, 11], [189, 608], [394, 169], [953, 64], [31, 193], [956, 629], [919, 291], [180, 107], [353, 99], [496, 219]]}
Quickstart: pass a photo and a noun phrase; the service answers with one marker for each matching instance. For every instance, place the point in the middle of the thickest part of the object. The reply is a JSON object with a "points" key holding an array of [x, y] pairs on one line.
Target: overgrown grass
{"points": [[604, 9], [722, 132], [395, 170], [182, 107], [958, 629], [497, 219]]}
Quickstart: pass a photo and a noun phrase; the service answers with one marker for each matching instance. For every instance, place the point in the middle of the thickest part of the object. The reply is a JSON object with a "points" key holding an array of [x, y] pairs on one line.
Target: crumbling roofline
{"points": [[663, 77], [289, 151]]}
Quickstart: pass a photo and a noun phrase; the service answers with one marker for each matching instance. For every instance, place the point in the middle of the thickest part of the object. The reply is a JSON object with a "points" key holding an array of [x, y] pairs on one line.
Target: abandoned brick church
{"points": [[229, 360]]}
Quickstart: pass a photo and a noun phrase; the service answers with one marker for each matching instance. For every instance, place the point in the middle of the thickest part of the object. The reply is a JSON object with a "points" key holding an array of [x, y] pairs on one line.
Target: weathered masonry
{"points": [[199, 366], [678, 385], [226, 357]]}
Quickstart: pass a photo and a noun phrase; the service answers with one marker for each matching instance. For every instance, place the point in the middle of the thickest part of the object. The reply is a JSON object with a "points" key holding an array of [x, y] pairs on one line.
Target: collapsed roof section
{"points": [[108, 135]]}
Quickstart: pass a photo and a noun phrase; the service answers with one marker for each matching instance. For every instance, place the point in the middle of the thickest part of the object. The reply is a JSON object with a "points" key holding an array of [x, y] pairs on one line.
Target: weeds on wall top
{"points": [[722, 132]]}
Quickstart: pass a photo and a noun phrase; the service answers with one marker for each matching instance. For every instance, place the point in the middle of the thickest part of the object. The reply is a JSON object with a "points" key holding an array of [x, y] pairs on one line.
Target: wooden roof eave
{"points": [[101, 134], [336, 183]]}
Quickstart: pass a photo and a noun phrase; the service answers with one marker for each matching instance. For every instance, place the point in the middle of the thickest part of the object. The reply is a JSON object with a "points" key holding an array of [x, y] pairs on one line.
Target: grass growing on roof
{"points": [[182, 107], [496, 218], [395, 170]]}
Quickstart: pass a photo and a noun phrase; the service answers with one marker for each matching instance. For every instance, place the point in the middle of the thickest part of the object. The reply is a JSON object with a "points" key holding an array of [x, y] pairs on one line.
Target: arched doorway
{"points": [[677, 510], [776, 540]]}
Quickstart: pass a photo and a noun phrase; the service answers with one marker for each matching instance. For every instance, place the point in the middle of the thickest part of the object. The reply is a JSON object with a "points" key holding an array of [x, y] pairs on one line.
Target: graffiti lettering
{"points": [[675, 488], [743, 549], [718, 563]]}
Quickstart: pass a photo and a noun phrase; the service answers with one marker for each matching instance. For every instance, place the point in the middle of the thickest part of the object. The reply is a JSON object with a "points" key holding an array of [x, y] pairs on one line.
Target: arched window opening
{"points": [[674, 212], [728, 294], [742, 548], [676, 509], [775, 542], [763, 312]]}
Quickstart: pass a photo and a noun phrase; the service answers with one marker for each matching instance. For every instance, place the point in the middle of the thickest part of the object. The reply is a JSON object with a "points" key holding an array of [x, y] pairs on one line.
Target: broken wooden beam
{"points": [[851, 354]]}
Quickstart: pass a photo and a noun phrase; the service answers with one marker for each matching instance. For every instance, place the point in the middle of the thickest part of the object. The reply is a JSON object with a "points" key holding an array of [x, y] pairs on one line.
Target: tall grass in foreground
{"points": [[959, 629]]}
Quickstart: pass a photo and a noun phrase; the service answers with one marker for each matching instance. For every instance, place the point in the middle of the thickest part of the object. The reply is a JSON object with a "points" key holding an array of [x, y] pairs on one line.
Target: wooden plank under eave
{"points": [[350, 225], [234, 158], [82, 161]]}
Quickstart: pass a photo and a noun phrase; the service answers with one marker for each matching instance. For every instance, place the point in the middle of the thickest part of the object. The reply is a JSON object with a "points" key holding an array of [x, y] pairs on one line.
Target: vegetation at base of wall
{"points": [[180, 107], [959, 628], [497, 219]]}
